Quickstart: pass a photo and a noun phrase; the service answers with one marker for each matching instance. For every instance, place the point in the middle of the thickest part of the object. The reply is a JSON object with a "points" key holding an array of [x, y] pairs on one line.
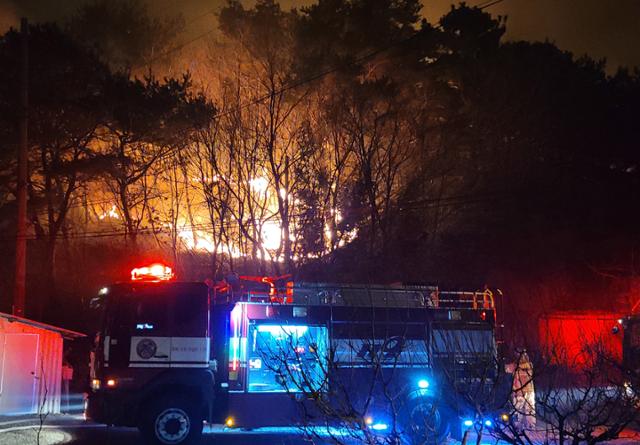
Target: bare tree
{"points": [[382, 147], [148, 120]]}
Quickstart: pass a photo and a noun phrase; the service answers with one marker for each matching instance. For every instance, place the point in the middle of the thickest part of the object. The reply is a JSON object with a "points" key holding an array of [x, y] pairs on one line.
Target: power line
{"points": [[199, 16], [488, 4], [169, 5], [78, 205], [433, 203], [177, 48], [194, 19], [426, 202]]}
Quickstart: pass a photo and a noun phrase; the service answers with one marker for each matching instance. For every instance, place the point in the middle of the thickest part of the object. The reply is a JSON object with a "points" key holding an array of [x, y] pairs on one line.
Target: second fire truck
{"points": [[377, 361]]}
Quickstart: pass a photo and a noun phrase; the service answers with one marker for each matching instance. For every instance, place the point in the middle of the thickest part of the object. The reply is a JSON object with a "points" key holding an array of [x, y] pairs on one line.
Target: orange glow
{"points": [[111, 383]]}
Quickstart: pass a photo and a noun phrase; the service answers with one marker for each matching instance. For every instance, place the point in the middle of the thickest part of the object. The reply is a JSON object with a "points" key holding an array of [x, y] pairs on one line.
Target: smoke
{"points": [[8, 17], [601, 29], [37, 10]]}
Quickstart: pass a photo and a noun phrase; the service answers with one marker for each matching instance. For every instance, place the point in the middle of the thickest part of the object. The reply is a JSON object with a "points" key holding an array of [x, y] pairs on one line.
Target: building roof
{"points": [[66, 333], [582, 315]]}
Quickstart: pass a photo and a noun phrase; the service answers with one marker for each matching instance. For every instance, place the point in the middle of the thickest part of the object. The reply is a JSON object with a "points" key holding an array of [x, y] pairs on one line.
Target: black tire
{"points": [[425, 422], [172, 420]]}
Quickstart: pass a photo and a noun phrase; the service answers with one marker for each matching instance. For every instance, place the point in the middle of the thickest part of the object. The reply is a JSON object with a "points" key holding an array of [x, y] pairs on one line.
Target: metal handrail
{"points": [[368, 295], [414, 296], [477, 300]]}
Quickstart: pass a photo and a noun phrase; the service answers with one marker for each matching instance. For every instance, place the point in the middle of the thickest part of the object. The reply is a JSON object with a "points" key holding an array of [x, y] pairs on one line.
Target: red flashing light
{"points": [[154, 272]]}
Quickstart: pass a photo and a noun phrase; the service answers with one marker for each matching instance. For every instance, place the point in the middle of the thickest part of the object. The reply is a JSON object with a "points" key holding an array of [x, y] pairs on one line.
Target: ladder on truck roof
{"points": [[401, 296]]}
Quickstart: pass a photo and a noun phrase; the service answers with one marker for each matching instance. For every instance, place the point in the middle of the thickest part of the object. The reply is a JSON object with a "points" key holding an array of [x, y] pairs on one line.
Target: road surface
{"points": [[73, 430]]}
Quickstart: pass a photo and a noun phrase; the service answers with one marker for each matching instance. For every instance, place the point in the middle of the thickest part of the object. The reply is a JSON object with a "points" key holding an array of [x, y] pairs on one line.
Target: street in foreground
{"points": [[73, 430]]}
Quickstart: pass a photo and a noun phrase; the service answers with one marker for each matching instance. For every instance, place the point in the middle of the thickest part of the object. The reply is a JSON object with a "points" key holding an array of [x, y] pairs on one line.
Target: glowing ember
{"points": [[111, 213], [259, 185], [271, 235]]}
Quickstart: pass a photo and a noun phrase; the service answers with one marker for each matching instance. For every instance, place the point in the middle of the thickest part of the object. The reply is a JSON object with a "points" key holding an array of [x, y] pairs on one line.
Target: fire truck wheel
{"points": [[425, 423], [172, 421]]}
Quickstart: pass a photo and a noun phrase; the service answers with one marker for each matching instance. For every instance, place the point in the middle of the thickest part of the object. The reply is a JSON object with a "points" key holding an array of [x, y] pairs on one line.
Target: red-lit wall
{"points": [[30, 369], [573, 338]]}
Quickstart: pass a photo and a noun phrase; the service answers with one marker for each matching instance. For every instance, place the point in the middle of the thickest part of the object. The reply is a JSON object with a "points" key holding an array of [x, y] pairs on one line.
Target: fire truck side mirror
{"points": [[615, 330]]}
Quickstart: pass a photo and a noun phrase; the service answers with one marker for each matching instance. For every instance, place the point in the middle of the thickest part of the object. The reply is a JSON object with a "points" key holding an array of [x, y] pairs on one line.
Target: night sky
{"points": [[600, 28]]}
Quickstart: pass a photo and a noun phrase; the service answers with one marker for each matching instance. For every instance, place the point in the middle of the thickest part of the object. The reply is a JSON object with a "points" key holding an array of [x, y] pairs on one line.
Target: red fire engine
{"points": [[254, 351]]}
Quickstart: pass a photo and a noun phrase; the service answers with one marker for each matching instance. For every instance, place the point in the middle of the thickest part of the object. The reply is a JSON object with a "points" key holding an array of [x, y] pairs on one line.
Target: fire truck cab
{"points": [[252, 353]]}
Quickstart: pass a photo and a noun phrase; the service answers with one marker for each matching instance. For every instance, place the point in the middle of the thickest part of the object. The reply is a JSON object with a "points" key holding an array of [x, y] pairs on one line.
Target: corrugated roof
{"points": [[66, 333], [582, 314]]}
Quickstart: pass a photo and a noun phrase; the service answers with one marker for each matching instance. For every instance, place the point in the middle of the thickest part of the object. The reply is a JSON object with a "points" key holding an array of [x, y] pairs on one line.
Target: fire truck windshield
{"points": [[133, 312], [155, 306]]}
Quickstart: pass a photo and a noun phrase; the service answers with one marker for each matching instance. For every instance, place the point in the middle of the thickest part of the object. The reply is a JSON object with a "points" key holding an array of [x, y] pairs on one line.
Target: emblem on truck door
{"points": [[146, 348]]}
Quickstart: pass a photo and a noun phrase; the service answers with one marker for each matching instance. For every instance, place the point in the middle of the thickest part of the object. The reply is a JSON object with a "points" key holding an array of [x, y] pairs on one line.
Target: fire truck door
{"points": [[117, 337], [189, 342], [219, 346]]}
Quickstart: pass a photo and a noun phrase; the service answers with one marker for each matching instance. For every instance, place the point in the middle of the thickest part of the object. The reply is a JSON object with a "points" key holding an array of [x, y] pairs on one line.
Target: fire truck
{"points": [[400, 360]]}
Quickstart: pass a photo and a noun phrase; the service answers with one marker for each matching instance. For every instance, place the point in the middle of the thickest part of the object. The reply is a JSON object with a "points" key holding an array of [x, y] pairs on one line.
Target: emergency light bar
{"points": [[153, 272]]}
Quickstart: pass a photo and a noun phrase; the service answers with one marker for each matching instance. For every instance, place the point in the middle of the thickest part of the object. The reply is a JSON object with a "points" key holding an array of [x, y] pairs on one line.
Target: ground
{"points": [[73, 429]]}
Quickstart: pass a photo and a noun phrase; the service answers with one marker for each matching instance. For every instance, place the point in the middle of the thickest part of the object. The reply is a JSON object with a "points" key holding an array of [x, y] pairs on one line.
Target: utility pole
{"points": [[21, 195]]}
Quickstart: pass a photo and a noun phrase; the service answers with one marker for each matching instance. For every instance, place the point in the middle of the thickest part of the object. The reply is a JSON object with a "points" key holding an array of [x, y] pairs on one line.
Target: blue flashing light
{"points": [[423, 384], [488, 423], [468, 422], [379, 426]]}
